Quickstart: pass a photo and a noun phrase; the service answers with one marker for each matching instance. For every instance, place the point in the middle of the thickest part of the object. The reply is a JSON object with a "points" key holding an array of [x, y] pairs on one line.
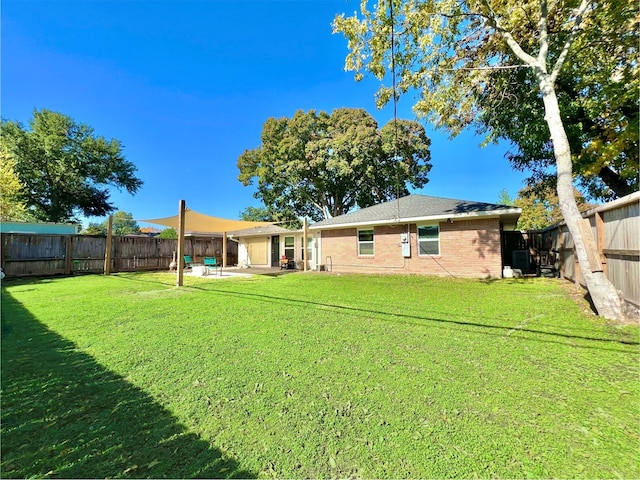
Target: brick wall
{"points": [[469, 248]]}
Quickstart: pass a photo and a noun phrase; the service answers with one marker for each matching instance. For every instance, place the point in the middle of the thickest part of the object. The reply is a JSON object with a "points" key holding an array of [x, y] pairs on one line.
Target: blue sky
{"points": [[187, 85]]}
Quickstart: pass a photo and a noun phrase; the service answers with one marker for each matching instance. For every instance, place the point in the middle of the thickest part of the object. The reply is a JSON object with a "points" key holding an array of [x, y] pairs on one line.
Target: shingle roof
{"points": [[416, 207]]}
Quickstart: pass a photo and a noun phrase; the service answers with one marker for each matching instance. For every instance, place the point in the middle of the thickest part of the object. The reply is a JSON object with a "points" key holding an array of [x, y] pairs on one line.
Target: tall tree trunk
{"points": [[603, 294]]}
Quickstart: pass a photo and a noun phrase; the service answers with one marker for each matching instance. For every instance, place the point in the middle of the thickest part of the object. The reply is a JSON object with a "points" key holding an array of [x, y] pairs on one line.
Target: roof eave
{"points": [[429, 218]]}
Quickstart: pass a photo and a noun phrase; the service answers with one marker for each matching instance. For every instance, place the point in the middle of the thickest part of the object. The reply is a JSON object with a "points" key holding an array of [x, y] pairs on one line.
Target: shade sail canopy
{"points": [[201, 223]]}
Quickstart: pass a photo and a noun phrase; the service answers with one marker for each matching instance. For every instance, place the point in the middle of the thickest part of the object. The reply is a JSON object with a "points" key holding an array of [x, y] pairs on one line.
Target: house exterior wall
{"points": [[254, 252], [468, 248], [249, 246]]}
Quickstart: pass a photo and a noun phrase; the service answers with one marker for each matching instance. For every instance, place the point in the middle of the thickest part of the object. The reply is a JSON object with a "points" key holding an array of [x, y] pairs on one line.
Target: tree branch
{"points": [[495, 67], [544, 38], [492, 18], [580, 12]]}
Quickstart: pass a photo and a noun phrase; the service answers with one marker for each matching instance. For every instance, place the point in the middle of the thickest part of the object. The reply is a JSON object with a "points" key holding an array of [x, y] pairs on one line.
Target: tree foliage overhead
{"points": [[449, 51], [454, 54], [598, 97], [321, 165], [65, 167]]}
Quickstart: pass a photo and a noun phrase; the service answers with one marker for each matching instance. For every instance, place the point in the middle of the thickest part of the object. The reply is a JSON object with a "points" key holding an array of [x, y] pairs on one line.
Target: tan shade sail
{"points": [[200, 223]]}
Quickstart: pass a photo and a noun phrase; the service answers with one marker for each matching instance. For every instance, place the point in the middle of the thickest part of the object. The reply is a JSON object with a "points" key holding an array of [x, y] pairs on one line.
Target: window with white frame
{"points": [[365, 242], [306, 255], [289, 246], [309, 255], [428, 240]]}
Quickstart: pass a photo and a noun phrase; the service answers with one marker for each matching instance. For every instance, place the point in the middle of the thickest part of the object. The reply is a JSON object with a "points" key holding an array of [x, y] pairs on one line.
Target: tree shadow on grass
{"points": [[65, 415]]}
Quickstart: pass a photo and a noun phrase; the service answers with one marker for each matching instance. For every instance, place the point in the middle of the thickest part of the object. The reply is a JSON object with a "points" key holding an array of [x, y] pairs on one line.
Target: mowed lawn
{"points": [[314, 376]]}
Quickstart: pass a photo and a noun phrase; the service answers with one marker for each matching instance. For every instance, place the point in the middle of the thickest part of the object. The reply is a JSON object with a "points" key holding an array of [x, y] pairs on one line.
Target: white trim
{"points": [[402, 221]]}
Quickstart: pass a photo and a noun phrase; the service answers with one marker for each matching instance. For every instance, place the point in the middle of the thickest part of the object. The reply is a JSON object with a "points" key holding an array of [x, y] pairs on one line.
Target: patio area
{"points": [[231, 272]]}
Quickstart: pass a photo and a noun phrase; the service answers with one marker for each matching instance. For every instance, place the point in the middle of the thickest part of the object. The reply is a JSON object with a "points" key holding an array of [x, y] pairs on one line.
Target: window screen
{"points": [[429, 240], [365, 242]]}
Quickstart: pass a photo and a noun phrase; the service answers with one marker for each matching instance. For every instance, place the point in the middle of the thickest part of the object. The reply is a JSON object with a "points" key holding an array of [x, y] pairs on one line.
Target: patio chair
{"points": [[211, 263], [188, 261], [285, 263]]}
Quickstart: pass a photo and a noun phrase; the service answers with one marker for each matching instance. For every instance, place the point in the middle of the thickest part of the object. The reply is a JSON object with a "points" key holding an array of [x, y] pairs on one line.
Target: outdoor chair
{"points": [[211, 263], [188, 262]]}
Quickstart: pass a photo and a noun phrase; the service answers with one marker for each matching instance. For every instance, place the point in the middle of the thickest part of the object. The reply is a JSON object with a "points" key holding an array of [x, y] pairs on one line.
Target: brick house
{"points": [[416, 234]]}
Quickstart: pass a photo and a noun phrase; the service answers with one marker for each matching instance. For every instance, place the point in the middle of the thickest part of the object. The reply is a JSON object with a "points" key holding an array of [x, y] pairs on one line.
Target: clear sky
{"points": [[187, 85]]}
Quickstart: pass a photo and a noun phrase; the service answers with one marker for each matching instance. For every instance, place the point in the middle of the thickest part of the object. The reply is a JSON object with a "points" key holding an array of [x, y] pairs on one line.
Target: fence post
{"points": [[601, 240], [107, 251], [4, 250], [181, 212], [590, 245], [560, 251], [68, 254], [577, 271], [305, 237], [224, 249]]}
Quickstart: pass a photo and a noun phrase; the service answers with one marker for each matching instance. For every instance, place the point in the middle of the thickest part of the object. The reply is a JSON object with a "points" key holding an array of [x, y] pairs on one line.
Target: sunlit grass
{"points": [[313, 375]]}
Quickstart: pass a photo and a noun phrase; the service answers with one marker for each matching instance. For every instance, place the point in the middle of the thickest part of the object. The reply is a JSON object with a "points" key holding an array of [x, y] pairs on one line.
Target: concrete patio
{"points": [[231, 272]]}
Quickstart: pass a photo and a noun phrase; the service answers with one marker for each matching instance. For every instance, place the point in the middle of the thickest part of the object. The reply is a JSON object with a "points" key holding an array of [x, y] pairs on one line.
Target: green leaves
{"points": [[65, 167], [477, 63], [12, 192], [320, 165]]}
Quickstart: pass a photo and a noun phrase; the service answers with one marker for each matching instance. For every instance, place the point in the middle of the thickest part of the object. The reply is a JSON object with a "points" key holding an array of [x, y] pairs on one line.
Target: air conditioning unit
{"points": [[520, 259]]}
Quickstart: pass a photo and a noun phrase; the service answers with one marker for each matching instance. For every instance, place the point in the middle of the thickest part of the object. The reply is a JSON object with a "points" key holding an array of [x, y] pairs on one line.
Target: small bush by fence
{"points": [[42, 255]]}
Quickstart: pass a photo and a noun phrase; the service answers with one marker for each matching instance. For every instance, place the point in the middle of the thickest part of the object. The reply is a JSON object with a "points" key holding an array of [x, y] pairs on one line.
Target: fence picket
{"points": [[42, 255]]}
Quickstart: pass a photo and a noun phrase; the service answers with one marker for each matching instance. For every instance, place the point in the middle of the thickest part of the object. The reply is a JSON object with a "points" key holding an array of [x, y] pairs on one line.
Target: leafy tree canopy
{"points": [[449, 50], [95, 229], [65, 167], [540, 207], [598, 96], [12, 206], [456, 57], [504, 198], [123, 224], [265, 214], [321, 165], [168, 233]]}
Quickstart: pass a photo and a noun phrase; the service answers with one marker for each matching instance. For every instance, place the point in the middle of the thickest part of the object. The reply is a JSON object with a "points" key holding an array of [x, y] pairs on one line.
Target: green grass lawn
{"points": [[313, 375]]}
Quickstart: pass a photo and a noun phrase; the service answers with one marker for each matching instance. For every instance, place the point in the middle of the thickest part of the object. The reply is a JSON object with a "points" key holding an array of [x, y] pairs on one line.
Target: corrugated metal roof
{"points": [[416, 207]]}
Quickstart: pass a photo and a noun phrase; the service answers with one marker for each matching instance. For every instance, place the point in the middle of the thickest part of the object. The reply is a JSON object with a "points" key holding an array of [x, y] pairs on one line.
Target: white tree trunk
{"points": [[603, 294]]}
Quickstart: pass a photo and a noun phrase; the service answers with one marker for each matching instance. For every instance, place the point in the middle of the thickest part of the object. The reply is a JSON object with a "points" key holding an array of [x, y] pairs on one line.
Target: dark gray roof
{"points": [[417, 207]]}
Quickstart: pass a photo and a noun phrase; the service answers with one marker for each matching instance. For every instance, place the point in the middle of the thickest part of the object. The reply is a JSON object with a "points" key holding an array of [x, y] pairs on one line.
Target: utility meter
{"points": [[406, 246]]}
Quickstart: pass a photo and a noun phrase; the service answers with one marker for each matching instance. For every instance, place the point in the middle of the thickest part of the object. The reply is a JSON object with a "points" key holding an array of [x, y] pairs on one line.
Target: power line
{"points": [[395, 103]]}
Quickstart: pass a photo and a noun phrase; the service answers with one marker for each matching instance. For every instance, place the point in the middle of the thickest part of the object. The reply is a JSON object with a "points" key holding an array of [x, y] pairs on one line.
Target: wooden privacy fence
{"points": [[42, 255], [616, 229]]}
